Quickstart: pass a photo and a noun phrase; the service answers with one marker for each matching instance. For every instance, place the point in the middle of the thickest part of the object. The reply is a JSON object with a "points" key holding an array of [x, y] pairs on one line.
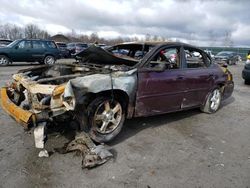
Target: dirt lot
{"points": [[184, 149]]}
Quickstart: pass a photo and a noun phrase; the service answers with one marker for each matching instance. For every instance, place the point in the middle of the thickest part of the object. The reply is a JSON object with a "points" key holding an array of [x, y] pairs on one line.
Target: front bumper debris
{"points": [[22, 116], [92, 155]]}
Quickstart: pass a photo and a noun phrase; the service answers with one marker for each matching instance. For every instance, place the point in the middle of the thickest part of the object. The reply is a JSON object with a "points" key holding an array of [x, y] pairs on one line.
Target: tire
{"points": [[4, 60], [49, 60], [213, 102], [105, 118]]}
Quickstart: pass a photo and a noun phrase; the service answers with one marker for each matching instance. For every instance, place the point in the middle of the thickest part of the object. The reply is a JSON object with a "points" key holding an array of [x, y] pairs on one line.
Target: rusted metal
{"points": [[20, 115]]}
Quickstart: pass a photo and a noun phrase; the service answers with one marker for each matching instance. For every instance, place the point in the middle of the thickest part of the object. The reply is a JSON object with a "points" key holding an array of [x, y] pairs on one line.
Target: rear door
{"points": [[160, 90], [38, 50], [199, 77]]}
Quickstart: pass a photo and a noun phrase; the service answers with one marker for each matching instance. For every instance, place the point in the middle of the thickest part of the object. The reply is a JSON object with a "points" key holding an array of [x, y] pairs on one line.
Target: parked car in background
{"points": [[30, 50], [246, 70], [102, 46], [231, 58], [5, 42], [64, 52], [103, 89], [209, 52], [76, 47]]}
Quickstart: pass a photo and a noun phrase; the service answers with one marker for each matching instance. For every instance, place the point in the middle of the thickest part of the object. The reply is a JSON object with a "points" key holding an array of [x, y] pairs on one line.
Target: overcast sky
{"points": [[202, 22]]}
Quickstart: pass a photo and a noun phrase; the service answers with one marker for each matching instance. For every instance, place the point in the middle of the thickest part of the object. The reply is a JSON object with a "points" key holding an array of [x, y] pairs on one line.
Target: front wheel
{"points": [[49, 60], [4, 61], [213, 102], [106, 117]]}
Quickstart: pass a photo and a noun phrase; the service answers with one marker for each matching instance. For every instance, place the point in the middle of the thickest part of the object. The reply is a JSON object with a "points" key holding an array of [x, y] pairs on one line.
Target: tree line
{"points": [[32, 31]]}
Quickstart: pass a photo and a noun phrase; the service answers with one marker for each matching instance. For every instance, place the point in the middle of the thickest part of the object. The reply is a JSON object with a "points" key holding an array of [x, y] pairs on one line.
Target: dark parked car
{"points": [[246, 73], [104, 89], [30, 50], [5, 42], [64, 52], [76, 47], [231, 58]]}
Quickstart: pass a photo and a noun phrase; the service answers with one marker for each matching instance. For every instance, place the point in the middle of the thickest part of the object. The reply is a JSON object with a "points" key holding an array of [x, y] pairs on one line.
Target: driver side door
{"points": [[22, 51], [161, 91]]}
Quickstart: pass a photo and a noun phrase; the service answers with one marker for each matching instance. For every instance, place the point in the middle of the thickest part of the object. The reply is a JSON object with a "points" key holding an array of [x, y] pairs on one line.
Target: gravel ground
{"points": [[184, 149]]}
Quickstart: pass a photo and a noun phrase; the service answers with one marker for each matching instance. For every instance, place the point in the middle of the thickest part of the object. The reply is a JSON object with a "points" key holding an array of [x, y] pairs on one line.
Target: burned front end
{"points": [[42, 93], [36, 94]]}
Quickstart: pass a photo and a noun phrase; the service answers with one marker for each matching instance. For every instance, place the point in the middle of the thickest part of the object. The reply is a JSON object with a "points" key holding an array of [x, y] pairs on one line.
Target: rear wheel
{"points": [[4, 60], [106, 118], [49, 60], [213, 102]]}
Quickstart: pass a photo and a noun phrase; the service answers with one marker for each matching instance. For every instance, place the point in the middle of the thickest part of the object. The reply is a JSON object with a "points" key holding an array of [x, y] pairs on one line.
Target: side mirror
{"points": [[16, 47]]}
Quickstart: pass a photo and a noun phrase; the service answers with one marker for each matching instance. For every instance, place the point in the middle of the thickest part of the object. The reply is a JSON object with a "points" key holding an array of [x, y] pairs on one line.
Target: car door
{"points": [[22, 51], [160, 89], [38, 50], [199, 77]]}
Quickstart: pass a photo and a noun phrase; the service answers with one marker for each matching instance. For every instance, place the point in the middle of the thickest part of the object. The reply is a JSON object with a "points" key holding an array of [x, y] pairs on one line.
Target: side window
{"points": [[196, 59], [169, 57], [38, 45], [51, 44], [24, 44]]}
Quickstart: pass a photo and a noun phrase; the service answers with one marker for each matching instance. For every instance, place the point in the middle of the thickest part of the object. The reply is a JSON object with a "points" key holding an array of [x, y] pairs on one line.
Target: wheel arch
{"points": [[5, 54], [220, 86], [118, 94]]}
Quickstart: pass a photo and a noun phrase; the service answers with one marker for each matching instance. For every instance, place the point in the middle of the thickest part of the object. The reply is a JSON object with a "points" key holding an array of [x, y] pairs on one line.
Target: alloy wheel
{"points": [[4, 60], [215, 100], [108, 116]]}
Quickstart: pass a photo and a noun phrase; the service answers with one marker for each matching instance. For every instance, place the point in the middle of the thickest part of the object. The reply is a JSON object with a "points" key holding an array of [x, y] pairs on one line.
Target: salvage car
{"points": [[231, 58], [104, 89], [29, 50]]}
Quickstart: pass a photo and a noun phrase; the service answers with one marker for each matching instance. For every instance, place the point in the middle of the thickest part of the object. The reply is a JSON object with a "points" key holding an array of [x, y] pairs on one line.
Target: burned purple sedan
{"points": [[106, 87]]}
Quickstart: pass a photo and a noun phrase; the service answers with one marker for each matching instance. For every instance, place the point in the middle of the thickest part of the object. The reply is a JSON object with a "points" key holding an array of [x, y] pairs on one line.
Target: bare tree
{"points": [[93, 38], [15, 32], [31, 31]]}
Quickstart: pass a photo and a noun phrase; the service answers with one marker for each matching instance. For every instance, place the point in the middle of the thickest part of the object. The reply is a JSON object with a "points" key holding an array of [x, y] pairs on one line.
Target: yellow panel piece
{"points": [[19, 114]]}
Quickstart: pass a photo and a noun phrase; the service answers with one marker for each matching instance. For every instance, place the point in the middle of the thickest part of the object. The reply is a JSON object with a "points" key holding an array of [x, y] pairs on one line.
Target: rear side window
{"points": [[196, 59], [51, 44], [38, 45]]}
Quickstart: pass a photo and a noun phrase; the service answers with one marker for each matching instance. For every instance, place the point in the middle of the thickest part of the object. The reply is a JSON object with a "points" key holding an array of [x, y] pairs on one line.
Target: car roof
{"points": [[156, 44], [152, 43]]}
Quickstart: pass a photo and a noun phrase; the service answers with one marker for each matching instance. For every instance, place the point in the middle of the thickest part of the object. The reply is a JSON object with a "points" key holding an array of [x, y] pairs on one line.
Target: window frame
{"points": [[206, 59]]}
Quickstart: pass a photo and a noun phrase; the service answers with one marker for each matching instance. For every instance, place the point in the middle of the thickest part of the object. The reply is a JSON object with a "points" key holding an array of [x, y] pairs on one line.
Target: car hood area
{"points": [[98, 55]]}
